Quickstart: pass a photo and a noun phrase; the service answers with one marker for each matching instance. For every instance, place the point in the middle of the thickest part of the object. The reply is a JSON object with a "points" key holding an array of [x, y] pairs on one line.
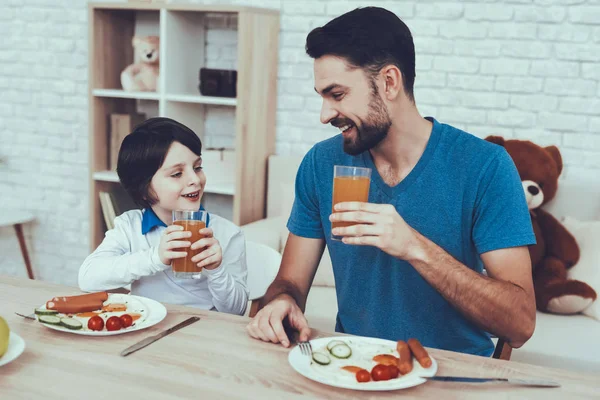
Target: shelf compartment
{"points": [[111, 33], [196, 40], [101, 108], [214, 124]]}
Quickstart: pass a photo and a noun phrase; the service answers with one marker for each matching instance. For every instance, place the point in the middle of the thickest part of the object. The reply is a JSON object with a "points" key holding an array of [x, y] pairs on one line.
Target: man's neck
{"points": [[404, 145]]}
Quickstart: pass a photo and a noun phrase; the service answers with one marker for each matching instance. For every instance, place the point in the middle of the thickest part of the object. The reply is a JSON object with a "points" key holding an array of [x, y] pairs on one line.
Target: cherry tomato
{"points": [[380, 372], [113, 324], [394, 371], [96, 323], [363, 376], [126, 320]]}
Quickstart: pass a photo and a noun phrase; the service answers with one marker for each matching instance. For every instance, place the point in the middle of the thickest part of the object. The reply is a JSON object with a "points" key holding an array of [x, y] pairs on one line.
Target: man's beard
{"points": [[370, 132]]}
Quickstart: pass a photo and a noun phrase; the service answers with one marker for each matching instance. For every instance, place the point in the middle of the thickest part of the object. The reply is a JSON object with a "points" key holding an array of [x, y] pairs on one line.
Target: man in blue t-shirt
{"points": [[443, 205]]}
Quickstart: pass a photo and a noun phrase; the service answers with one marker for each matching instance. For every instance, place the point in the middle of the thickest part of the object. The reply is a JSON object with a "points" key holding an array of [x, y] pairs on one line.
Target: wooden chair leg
{"points": [[502, 350], [253, 308], [21, 237]]}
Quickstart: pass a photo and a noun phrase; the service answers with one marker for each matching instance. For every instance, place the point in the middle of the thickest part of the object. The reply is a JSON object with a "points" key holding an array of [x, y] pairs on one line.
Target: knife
{"points": [[514, 381], [143, 343], [31, 316]]}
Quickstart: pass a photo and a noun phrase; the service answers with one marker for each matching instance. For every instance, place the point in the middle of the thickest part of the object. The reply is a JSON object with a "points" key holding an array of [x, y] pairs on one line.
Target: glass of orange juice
{"points": [[349, 184], [191, 221]]}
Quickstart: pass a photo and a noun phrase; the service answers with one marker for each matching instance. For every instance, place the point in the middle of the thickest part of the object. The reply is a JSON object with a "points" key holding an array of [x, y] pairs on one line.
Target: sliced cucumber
{"points": [[333, 343], [341, 351], [49, 319], [321, 358], [71, 323], [43, 311]]}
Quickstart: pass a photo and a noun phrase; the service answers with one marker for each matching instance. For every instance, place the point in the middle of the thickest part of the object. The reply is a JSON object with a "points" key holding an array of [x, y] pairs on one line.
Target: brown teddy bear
{"points": [[556, 249], [143, 74]]}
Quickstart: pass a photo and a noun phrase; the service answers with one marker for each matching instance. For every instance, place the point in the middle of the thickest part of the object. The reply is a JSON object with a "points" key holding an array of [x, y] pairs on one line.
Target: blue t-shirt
{"points": [[464, 194]]}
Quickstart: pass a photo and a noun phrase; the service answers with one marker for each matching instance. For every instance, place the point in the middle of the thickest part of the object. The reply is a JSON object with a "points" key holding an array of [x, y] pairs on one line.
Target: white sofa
{"points": [[567, 342]]}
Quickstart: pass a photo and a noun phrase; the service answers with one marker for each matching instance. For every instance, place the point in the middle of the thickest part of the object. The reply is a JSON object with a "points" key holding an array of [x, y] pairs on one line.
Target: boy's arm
{"points": [[112, 265], [227, 282]]}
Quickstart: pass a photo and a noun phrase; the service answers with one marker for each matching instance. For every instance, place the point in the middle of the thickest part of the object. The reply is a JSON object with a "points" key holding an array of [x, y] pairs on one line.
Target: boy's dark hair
{"points": [[368, 38], [143, 152]]}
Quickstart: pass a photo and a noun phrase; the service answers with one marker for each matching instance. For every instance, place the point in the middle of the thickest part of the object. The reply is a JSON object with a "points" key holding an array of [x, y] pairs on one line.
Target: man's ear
{"points": [[392, 81], [499, 140]]}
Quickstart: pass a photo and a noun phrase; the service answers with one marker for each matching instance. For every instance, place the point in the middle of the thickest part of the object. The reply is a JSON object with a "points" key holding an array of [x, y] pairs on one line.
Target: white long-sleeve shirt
{"points": [[127, 256]]}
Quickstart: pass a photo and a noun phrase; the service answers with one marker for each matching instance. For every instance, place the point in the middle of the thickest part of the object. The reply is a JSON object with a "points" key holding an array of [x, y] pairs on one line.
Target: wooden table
{"points": [[214, 359]]}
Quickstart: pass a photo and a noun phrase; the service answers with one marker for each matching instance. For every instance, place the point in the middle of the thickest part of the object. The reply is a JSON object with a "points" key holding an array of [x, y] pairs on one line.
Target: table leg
{"points": [[21, 237]]}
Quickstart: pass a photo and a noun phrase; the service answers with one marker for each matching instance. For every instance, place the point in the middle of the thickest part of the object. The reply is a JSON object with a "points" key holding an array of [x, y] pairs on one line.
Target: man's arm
{"points": [[502, 303], [286, 297], [299, 264]]}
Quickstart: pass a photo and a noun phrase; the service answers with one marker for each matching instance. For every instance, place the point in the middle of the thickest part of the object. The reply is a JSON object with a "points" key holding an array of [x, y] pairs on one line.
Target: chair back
{"points": [[263, 264]]}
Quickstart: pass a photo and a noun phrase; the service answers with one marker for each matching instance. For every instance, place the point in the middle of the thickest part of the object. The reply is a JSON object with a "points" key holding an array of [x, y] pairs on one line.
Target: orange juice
{"points": [[185, 264], [349, 188]]}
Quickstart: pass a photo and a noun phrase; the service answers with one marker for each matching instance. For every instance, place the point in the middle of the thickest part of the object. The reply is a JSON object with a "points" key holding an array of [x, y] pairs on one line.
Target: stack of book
{"points": [[121, 125], [108, 209]]}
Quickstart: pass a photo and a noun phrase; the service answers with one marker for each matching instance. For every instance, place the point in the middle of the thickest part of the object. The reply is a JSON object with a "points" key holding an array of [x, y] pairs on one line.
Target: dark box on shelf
{"points": [[218, 82]]}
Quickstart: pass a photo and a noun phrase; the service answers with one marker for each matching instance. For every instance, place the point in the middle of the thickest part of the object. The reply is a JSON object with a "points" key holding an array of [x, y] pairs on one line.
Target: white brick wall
{"points": [[518, 68], [43, 125]]}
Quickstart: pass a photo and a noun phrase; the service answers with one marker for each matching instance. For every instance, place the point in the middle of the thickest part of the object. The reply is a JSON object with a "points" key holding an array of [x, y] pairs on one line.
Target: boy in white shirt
{"points": [[160, 166]]}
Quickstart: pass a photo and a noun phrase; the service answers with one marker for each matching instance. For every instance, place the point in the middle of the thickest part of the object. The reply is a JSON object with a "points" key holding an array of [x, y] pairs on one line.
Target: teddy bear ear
{"points": [[499, 140], [555, 153], [135, 41]]}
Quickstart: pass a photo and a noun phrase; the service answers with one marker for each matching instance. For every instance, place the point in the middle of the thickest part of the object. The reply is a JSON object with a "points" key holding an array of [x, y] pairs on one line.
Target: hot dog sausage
{"points": [[405, 362], [74, 307], [419, 352], [102, 296], [77, 304]]}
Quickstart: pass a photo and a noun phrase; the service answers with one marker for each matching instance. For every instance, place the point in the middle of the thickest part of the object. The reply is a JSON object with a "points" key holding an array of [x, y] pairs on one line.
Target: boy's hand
{"points": [[173, 238], [211, 255]]}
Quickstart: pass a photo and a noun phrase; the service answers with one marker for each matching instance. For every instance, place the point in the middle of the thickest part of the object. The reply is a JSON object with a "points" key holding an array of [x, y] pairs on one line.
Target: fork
{"points": [[305, 348]]}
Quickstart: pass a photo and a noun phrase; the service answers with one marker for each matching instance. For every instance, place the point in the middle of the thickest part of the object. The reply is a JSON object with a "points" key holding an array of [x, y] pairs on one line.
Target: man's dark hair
{"points": [[143, 152], [368, 38]]}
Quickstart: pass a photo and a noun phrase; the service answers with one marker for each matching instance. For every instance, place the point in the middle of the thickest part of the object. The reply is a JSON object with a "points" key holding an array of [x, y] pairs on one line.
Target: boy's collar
{"points": [[150, 220]]}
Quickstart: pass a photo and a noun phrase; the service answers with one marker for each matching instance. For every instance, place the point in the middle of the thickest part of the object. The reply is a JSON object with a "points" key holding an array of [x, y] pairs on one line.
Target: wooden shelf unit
{"points": [[236, 177]]}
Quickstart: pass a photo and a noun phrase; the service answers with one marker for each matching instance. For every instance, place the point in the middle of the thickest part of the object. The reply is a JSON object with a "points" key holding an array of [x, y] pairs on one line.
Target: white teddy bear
{"points": [[143, 75]]}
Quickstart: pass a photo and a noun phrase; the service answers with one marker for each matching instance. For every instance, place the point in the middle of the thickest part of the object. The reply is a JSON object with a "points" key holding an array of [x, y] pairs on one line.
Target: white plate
{"points": [[152, 313], [363, 350], [16, 345]]}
